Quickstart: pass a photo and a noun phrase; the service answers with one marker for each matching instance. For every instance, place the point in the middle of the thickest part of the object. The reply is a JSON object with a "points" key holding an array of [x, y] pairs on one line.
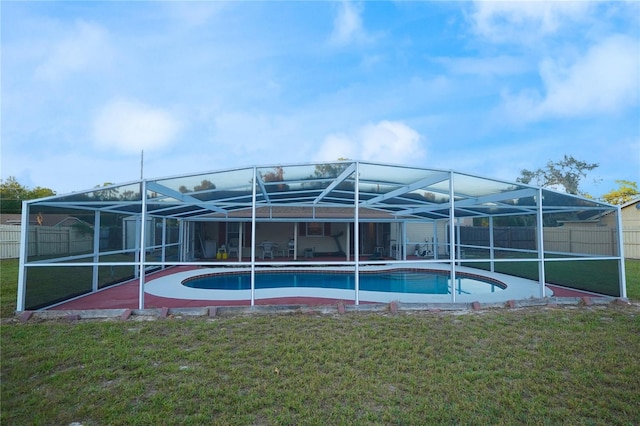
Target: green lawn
{"points": [[571, 365], [632, 269], [8, 286], [535, 366]]}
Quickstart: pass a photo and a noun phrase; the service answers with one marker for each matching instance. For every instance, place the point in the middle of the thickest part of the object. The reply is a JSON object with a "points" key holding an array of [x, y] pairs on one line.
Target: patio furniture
{"points": [[233, 247], [267, 249], [222, 252]]}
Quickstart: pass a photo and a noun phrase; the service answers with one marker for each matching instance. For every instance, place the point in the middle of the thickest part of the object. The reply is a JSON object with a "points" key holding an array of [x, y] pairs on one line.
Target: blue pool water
{"points": [[384, 281]]}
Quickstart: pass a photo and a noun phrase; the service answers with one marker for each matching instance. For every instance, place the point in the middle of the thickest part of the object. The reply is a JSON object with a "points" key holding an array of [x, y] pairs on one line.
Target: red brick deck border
{"points": [[125, 296]]}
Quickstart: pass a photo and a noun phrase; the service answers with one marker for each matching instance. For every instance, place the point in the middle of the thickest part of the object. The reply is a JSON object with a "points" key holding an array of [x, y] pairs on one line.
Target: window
{"points": [[314, 229]]}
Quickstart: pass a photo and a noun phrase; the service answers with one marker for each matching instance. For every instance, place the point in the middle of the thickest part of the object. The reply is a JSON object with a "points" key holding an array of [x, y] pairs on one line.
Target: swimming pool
{"points": [[311, 282], [394, 281]]}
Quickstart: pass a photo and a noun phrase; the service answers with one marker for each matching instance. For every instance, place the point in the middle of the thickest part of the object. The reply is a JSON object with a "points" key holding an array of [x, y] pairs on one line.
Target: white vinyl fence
{"points": [[44, 241], [631, 243], [9, 241], [601, 241], [597, 241]]}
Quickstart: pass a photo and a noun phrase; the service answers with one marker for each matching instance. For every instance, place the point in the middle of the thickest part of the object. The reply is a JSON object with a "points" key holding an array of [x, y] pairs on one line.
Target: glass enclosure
{"points": [[337, 213]]}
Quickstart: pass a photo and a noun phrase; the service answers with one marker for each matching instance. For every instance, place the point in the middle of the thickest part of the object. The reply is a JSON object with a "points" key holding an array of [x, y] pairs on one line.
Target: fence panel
{"points": [[578, 240], [474, 235], [51, 241], [9, 241], [585, 240], [631, 239], [557, 239]]}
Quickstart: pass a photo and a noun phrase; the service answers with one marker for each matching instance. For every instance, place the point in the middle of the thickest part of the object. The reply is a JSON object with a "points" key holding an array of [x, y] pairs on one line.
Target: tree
{"points": [[566, 173], [329, 171], [277, 175], [626, 192], [204, 185], [105, 193], [12, 194]]}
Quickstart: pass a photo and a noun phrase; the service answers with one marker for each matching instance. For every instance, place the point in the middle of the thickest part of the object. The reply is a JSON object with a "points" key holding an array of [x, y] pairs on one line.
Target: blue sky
{"points": [[486, 88]]}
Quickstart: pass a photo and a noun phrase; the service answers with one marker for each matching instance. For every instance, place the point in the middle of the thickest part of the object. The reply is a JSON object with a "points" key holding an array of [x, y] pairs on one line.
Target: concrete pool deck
{"points": [[163, 289]]}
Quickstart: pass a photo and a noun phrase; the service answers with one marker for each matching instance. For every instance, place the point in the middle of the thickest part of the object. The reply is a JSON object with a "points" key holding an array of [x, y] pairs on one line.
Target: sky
{"points": [[479, 87]]}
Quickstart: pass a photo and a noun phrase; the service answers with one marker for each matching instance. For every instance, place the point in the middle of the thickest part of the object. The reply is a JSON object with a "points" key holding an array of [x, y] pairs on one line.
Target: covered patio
{"points": [[342, 214]]}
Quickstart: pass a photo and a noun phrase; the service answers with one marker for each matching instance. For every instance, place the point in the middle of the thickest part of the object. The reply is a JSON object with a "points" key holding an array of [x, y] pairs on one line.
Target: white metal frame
{"points": [[258, 188]]}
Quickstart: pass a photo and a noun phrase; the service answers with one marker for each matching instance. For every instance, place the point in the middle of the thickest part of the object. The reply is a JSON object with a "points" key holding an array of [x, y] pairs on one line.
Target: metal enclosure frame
{"points": [[347, 192]]}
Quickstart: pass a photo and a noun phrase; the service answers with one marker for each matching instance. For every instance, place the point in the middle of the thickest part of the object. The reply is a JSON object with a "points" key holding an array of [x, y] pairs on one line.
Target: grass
{"points": [[546, 366], [8, 286], [596, 276], [632, 272], [556, 366]]}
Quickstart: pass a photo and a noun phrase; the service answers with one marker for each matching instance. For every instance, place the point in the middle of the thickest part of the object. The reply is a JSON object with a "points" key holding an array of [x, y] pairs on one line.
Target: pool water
{"points": [[389, 281]]}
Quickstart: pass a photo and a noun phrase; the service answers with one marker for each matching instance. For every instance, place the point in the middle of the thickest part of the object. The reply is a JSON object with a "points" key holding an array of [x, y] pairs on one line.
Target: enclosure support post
{"points": [[24, 253], [240, 240], [492, 252], [452, 236], [348, 244], [253, 237], [142, 245], [403, 247], [295, 240], [163, 255], [621, 267], [182, 256], [459, 245], [541, 271], [434, 239], [96, 250], [136, 250], [356, 235]]}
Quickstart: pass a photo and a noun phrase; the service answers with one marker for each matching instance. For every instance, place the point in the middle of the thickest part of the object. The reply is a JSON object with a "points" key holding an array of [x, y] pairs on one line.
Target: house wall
{"points": [[424, 236], [280, 233], [631, 230], [630, 216]]}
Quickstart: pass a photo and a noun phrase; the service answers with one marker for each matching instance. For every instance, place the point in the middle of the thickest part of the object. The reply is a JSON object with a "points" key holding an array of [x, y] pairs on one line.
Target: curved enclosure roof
{"points": [[325, 190]]}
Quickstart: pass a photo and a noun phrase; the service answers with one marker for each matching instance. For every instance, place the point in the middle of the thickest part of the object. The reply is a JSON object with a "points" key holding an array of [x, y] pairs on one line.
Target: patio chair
{"points": [[267, 249], [233, 247]]}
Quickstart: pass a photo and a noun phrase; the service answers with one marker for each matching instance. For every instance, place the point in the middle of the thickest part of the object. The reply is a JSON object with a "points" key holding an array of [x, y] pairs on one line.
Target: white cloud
{"points": [[605, 80], [337, 146], [347, 25], [493, 66], [521, 21], [193, 14], [85, 47], [129, 126], [386, 141]]}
